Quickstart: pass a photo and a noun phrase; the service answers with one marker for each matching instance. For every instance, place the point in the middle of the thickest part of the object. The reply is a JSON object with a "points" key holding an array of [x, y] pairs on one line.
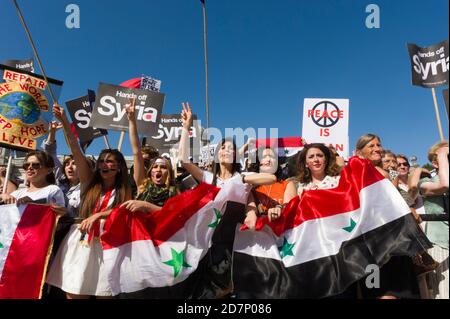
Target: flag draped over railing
{"points": [[324, 240]]}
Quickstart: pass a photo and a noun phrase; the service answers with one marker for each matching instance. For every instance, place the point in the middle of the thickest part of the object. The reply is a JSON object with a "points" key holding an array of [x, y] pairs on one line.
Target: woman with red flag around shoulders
{"points": [[397, 275], [317, 168]]}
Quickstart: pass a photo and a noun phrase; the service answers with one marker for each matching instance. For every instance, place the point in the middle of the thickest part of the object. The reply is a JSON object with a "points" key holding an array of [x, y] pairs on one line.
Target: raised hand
{"points": [[443, 151], [59, 113], [186, 115], [130, 108], [53, 126]]}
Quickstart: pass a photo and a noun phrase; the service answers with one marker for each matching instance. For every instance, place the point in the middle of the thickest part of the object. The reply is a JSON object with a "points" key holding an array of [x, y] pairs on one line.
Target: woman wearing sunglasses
{"points": [[156, 185], [38, 167], [78, 267]]}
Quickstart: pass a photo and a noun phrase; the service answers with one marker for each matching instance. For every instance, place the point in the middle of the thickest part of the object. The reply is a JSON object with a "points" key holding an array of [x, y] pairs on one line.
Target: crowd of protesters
{"points": [[84, 191]]}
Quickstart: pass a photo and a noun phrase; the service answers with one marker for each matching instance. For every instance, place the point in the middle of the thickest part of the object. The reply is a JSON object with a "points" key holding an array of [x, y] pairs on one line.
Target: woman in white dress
{"points": [[78, 267], [225, 171]]}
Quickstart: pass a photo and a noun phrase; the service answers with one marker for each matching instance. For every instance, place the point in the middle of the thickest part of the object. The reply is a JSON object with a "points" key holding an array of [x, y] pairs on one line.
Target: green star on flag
{"points": [[1, 245], [351, 227], [218, 218], [286, 151], [286, 248], [177, 262]]}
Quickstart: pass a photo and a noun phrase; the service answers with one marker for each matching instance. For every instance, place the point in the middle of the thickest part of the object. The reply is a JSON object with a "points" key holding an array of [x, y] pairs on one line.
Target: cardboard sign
{"points": [[326, 121], [207, 153], [26, 65], [80, 110], [24, 108], [109, 109], [429, 65], [169, 133], [151, 84]]}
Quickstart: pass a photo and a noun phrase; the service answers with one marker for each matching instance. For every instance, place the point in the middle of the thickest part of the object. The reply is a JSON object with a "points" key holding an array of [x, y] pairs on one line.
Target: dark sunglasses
{"points": [[34, 166], [403, 164]]}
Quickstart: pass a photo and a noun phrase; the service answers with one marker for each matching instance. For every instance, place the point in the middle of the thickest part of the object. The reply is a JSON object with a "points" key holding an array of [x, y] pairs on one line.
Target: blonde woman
{"points": [[156, 185]]}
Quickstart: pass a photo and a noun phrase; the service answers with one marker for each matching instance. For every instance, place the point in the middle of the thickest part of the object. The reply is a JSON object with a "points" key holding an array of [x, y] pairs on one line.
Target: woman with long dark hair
{"points": [[78, 267], [316, 169], [38, 166], [269, 198], [225, 164], [225, 172]]}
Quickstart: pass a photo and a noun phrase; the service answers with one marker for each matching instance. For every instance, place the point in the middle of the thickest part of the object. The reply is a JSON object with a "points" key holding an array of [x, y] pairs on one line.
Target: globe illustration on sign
{"points": [[19, 106]]}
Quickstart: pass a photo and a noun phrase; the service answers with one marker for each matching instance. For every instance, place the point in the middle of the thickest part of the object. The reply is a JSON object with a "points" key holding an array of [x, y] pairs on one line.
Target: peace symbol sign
{"points": [[324, 119]]}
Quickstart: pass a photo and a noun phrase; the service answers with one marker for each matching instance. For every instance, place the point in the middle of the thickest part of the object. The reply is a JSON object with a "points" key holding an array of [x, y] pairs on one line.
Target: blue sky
{"points": [[265, 57]]}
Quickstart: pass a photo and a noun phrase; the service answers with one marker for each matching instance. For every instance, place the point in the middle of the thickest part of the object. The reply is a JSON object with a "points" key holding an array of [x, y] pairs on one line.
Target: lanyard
{"points": [[99, 207]]}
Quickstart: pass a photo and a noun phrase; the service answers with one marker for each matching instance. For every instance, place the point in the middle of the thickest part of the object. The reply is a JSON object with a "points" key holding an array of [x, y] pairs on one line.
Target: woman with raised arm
{"points": [[226, 167], [156, 185], [226, 171], [78, 268], [225, 164], [66, 174]]}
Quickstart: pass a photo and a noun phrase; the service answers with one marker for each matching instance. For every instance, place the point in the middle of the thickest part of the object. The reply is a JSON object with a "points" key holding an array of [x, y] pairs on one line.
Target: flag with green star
{"points": [[170, 247], [286, 146], [177, 261], [286, 248], [326, 238]]}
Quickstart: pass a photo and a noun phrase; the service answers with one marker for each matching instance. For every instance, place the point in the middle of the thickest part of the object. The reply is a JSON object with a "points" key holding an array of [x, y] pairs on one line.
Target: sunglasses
{"points": [[34, 166], [403, 164]]}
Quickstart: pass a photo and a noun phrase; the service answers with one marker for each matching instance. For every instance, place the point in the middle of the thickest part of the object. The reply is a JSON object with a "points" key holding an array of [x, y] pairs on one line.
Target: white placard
{"points": [[326, 121]]}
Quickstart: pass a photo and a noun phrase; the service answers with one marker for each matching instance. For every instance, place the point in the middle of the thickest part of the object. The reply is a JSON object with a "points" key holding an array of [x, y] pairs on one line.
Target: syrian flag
{"points": [[26, 238], [324, 241], [287, 146], [164, 254]]}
